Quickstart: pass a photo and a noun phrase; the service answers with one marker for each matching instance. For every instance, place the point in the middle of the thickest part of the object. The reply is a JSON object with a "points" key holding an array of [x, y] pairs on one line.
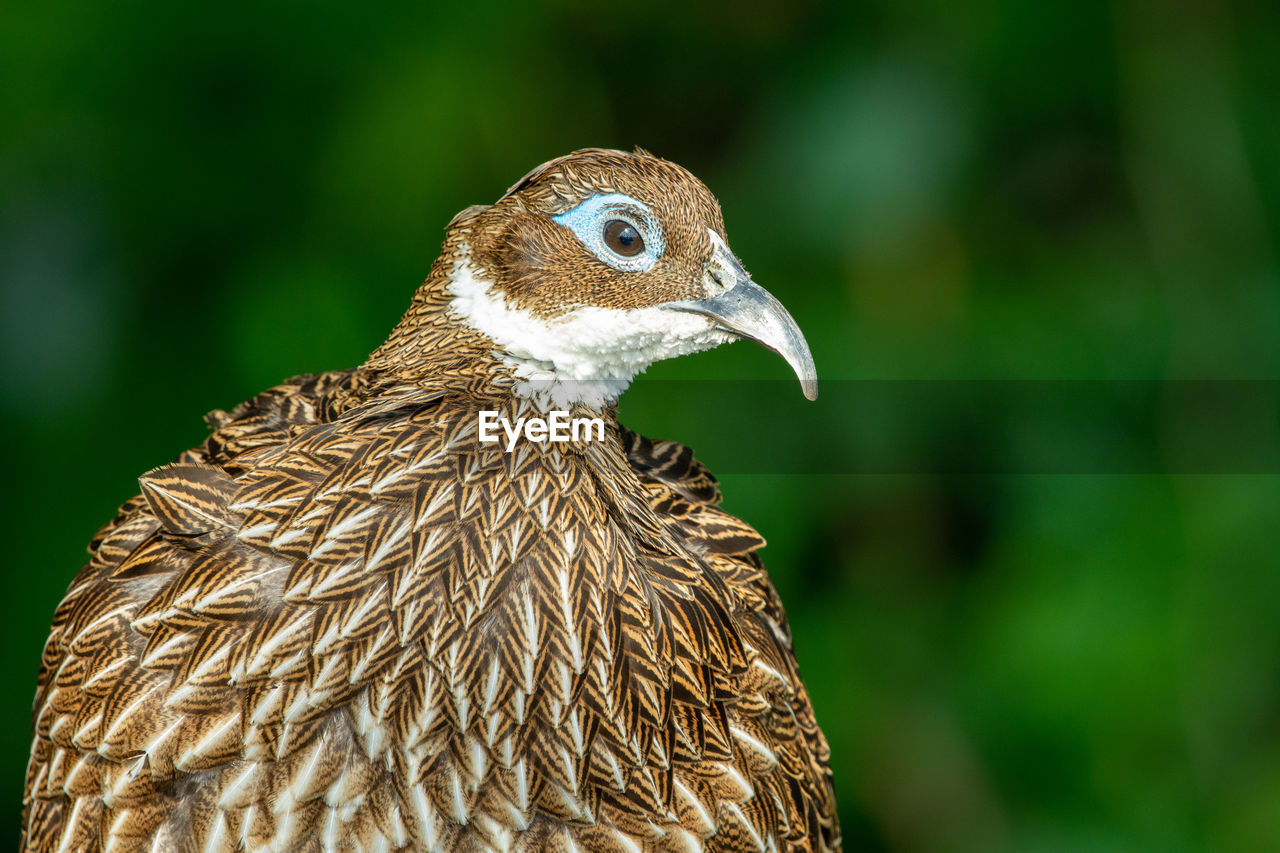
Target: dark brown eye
{"points": [[622, 238]]}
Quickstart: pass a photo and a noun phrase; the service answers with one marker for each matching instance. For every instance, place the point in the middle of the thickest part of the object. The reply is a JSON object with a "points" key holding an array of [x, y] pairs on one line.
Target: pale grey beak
{"points": [[749, 311]]}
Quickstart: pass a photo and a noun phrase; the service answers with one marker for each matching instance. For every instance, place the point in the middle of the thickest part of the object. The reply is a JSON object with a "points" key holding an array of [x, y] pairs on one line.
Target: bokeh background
{"points": [[200, 199]]}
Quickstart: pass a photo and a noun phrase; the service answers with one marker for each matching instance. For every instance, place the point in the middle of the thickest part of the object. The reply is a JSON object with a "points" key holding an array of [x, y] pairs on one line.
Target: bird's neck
{"points": [[456, 337]]}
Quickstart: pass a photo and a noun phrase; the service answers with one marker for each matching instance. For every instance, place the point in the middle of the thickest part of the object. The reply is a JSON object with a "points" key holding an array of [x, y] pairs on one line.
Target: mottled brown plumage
{"points": [[344, 623]]}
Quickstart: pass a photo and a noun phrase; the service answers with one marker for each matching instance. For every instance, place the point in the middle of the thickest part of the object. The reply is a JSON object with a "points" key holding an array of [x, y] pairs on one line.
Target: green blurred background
{"points": [[198, 200]]}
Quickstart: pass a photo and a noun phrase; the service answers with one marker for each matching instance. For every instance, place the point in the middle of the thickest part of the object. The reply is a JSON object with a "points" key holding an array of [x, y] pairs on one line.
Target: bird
{"points": [[352, 619]]}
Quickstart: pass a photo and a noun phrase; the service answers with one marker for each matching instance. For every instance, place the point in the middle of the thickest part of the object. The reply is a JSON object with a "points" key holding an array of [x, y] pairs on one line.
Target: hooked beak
{"points": [[749, 311]]}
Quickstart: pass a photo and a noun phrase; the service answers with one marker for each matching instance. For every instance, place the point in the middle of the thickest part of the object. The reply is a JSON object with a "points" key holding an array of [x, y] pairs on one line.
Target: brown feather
{"points": [[344, 623]]}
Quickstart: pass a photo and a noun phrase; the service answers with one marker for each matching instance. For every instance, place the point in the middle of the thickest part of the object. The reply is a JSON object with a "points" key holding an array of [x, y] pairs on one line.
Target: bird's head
{"points": [[597, 264]]}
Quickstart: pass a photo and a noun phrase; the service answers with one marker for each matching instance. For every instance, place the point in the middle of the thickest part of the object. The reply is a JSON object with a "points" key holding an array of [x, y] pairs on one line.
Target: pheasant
{"points": [[356, 619]]}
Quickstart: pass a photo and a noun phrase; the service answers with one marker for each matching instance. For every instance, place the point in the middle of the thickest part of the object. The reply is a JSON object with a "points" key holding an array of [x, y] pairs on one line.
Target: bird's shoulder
{"points": [[132, 697]]}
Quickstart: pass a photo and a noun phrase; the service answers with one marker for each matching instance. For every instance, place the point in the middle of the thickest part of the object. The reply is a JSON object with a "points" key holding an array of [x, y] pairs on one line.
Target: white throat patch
{"points": [[588, 356]]}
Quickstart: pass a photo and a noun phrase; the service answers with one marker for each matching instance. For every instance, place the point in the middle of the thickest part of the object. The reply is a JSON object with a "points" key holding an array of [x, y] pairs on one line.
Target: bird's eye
{"points": [[622, 238]]}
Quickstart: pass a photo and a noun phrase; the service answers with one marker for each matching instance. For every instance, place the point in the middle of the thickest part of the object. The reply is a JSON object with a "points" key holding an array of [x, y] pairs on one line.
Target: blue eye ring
{"points": [[592, 220]]}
